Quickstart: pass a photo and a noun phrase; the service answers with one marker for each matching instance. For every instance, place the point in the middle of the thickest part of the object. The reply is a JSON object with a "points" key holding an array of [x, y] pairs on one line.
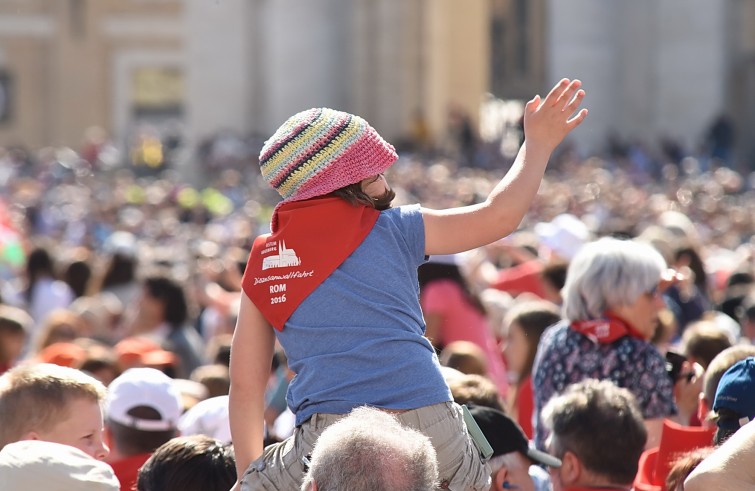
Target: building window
{"points": [[6, 97]]}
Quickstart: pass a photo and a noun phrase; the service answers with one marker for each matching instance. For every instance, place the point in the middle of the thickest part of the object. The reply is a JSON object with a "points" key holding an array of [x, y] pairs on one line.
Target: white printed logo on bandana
{"points": [[284, 259], [602, 330]]}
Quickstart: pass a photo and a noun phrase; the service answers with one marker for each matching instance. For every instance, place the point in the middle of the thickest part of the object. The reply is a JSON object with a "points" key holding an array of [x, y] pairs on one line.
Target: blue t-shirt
{"points": [[359, 337]]}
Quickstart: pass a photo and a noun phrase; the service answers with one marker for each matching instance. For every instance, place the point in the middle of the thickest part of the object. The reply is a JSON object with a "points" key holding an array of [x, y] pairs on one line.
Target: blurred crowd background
{"points": [[129, 177], [130, 190]]}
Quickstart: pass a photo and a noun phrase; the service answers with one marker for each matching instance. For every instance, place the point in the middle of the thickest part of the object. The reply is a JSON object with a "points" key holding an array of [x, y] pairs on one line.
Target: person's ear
{"points": [[571, 469], [30, 435], [500, 477]]}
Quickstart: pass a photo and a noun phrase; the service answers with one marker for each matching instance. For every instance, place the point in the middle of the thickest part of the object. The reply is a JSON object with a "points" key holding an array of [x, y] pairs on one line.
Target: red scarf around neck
{"points": [[311, 238], [600, 488], [607, 330]]}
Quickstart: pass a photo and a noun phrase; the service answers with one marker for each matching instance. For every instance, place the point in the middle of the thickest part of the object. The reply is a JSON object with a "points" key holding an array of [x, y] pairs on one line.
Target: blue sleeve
{"points": [[409, 220]]}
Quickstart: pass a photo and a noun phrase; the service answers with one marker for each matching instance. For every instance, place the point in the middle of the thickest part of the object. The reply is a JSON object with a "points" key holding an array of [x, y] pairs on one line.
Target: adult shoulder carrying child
{"points": [[336, 283]]}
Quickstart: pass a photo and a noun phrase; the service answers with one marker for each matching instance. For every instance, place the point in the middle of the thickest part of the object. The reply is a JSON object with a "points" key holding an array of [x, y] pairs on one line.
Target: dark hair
{"points": [[130, 441], [602, 425], [189, 463], [120, 270], [170, 293], [98, 357], [697, 266], [732, 419], [220, 349], [77, 275], [746, 310], [738, 278], [429, 272], [555, 273], [534, 317], [475, 389], [38, 264], [215, 377], [354, 194], [703, 340], [734, 297], [684, 465], [39, 261]]}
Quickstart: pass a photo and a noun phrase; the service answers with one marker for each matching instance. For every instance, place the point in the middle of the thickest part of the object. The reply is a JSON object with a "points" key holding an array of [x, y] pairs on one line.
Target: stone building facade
{"points": [[196, 66]]}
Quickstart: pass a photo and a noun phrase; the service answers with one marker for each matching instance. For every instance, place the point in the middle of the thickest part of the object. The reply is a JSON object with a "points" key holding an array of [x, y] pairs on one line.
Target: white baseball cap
{"points": [[144, 387], [36, 464], [564, 235], [208, 417]]}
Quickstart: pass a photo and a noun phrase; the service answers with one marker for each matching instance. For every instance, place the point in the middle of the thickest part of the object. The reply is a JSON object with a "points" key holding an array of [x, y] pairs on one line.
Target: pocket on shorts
{"points": [[460, 466], [459, 462], [276, 470]]}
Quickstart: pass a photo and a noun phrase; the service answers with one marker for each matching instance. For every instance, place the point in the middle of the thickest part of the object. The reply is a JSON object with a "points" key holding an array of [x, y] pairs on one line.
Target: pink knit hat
{"points": [[318, 151]]}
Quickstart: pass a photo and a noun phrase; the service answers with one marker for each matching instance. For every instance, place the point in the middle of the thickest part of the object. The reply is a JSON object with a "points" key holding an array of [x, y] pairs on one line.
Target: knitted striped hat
{"points": [[320, 150]]}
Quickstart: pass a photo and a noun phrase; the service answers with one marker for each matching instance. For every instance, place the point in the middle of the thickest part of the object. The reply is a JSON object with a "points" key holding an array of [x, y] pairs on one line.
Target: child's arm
{"points": [[251, 359], [546, 123]]}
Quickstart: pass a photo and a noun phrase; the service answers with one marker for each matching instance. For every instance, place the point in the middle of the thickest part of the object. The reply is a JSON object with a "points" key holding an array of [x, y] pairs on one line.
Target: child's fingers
{"points": [[556, 92], [567, 95], [533, 104], [577, 120], [575, 102]]}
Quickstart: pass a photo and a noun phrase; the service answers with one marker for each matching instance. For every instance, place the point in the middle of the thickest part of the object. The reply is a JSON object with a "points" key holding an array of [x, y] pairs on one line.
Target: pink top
{"points": [[463, 322]]}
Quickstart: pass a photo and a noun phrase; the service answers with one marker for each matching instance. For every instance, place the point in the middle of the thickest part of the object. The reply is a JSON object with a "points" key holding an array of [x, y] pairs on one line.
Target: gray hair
{"points": [[609, 273], [371, 450], [601, 424]]}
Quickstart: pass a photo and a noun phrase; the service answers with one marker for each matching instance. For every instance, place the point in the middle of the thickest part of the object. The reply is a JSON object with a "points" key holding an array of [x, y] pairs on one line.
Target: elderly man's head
{"points": [[512, 454], [371, 450], [597, 430]]}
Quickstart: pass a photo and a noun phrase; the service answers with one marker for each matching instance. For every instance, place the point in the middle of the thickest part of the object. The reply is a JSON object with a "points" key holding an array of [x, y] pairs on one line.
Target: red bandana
{"points": [[606, 331], [310, 240], [600, 488]]}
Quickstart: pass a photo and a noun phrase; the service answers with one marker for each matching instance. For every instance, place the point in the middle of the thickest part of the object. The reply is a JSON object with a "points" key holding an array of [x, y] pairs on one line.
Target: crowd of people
{"points": [[588, 326]]}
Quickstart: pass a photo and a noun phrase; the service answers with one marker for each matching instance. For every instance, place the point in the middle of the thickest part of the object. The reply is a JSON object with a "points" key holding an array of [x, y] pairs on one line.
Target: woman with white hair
{"points": [[612, 297]]}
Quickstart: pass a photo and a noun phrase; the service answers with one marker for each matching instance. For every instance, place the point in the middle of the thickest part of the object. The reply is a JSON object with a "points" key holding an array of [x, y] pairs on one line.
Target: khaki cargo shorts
{"points": [[461, 466]]}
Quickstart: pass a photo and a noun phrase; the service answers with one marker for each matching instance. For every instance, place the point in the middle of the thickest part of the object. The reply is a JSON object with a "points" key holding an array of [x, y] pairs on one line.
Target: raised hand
{"points": [[547, 121]]}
